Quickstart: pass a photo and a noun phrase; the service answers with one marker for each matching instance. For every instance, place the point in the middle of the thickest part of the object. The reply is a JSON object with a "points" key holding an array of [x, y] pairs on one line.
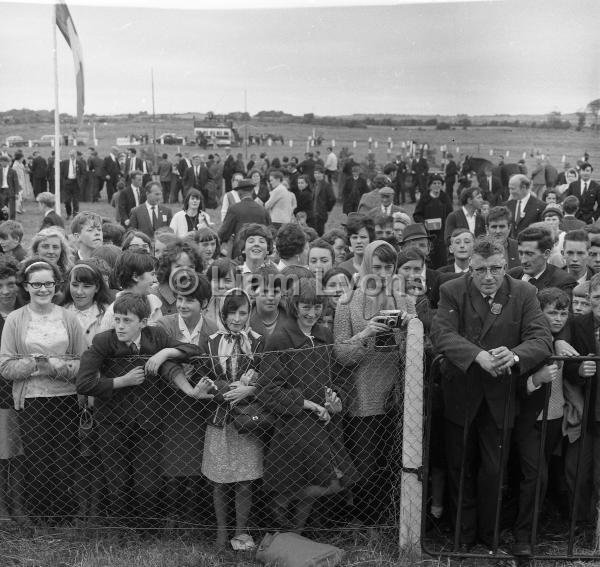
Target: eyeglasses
{"points": [[38, 285], [494, 270]]}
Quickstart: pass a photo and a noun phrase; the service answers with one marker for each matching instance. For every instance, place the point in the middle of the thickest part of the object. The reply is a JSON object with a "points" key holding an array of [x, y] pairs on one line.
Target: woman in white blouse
{"points": [[39, 353]]}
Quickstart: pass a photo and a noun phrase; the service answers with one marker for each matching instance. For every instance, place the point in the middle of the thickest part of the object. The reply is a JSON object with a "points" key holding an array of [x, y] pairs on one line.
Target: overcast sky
{"points": [[426, 58]]}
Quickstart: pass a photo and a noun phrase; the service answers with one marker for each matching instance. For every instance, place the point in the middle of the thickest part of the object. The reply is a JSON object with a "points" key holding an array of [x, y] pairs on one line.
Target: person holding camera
{"points": [[367, 329]]}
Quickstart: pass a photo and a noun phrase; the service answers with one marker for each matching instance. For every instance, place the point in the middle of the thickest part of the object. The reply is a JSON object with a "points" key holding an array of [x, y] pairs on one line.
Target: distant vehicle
{"points": [[45, 140], [212, 132], [171, 139], [16, 141]]}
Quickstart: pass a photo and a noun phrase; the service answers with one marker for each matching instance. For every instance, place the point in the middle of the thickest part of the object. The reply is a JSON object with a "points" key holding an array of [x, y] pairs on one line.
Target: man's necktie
{"points": [[532, 281], [585, 186], [133, 348], [518, 213], [154, 218], [489, 299]]}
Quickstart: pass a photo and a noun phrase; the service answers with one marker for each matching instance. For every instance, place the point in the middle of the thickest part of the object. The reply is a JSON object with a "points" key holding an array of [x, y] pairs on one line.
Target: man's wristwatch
{"points": [[515, 357]]}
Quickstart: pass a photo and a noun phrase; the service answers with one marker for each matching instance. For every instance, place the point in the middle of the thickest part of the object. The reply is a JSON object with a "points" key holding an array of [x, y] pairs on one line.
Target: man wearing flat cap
{"points": [[386, 205]]}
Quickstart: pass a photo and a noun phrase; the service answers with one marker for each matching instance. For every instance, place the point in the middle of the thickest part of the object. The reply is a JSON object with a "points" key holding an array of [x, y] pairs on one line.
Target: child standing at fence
{"points": [[231, 458], [585, 339], [555, 305], [128, 388]]}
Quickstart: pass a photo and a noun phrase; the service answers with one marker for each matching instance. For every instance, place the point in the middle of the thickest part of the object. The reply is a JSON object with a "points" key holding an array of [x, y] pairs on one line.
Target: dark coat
{"points": [[494, 194], [111, 170], [108, 358], [571, 223], [352, 191], [52, 219], [533, 213], [305, 203], [126, 202], [512, 254], [80, 172], [457, 219], [590, 200], [551, 277], [303, 451], [434, 208], [39, 168], [191, 180], [139, 219], [241, 213], [324, 199], [464, 325]]}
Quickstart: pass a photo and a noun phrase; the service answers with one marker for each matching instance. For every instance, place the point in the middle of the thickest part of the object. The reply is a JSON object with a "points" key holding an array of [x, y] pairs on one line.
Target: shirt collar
{"points": [[137, 342], [190, 337], [524, 201], [467, 213]]}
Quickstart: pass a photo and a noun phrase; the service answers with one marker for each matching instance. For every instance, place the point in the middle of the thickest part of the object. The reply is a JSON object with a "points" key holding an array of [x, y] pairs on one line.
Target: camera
{"points": [[391, 317]]}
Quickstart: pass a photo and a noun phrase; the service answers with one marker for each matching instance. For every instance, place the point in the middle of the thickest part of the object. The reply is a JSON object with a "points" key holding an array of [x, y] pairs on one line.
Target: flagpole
{"points": [[153, 121], [57, 206]]}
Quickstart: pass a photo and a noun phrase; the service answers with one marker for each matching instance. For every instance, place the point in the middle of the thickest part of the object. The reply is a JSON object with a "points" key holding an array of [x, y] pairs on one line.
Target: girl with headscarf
{"points": [[229, 457], [368, 342]]}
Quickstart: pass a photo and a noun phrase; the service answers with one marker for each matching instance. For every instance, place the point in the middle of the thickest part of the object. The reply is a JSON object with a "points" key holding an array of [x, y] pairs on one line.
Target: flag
{"points": [[67, 28]]}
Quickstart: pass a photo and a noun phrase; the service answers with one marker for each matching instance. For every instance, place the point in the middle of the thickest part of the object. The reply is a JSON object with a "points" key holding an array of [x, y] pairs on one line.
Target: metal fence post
{"points": [[412, 443]]}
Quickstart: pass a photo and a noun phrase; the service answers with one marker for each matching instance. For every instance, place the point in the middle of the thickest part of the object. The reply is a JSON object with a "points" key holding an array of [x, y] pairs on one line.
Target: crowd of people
{"points": [[167, 328]]}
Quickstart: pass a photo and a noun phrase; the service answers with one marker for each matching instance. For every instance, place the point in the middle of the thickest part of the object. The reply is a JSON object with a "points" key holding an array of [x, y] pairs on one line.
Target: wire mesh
{"points": [[152, 456]]}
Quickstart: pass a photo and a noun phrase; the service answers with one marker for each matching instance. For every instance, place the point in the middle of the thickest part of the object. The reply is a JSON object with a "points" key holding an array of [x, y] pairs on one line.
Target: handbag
{"points": [[286, 549], [251, 418]]}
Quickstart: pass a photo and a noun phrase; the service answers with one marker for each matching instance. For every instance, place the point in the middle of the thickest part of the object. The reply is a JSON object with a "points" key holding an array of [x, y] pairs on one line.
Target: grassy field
{"points": [[473, 141]]}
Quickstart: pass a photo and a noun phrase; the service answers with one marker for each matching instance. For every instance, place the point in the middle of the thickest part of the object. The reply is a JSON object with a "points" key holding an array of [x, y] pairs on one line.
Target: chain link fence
{"points": [[153, 457]]}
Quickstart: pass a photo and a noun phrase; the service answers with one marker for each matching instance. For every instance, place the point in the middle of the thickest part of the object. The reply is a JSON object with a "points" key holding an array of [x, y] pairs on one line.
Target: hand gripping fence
{"points": [[153, 457], [547, 493]]}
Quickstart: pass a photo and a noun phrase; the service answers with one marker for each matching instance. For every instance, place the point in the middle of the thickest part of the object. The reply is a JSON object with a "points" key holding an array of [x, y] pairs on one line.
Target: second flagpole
{"points": [[57, 204]]}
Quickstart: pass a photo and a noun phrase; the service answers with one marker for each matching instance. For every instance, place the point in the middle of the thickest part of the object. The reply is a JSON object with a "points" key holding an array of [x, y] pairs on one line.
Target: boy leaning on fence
{"points": [[129, 392]]}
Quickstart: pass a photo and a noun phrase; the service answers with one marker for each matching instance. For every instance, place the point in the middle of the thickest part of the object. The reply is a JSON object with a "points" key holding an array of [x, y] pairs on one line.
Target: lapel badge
{"points": [[496, 308]]}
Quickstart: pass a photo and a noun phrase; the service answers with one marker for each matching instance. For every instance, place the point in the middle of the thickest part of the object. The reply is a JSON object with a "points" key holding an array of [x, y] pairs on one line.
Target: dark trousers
{"points": [[368, 441], [527, 438], [166, 191], [39, 185], [131, 458], [175, 189], [450, 181], [70, 196], [50, 441], [111, 187], [588, 491], [483, 467], [319, 224]]}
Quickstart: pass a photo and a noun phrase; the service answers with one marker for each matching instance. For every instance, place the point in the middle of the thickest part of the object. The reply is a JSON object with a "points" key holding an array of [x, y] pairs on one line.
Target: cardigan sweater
{"points": [[18, 369]]}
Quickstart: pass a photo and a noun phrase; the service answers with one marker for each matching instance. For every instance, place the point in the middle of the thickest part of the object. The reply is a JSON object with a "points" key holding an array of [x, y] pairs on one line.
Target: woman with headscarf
{"points": [[367, 340], [230, 458]]}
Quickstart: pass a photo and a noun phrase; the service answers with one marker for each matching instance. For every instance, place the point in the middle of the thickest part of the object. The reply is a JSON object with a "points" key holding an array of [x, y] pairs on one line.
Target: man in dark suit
{"points": [[461, 246], [72, 177], [196, 177], [588, 193], [468, 216], [354, 188], [131, 197], [150, 215], [9, 187], [111, 171], [450, 175], [228, 169], [95, 167], [491, 187], [324, 200], [535, 246], [239, 214], [39, 173], [51, 173], [46, 202], [134, 163], [524, 207], [492, 333]]}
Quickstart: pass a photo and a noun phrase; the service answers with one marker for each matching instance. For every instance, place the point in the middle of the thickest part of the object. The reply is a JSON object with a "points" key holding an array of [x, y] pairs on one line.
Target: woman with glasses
{"points": [[368, 342], [41, 343], [136, 241]]}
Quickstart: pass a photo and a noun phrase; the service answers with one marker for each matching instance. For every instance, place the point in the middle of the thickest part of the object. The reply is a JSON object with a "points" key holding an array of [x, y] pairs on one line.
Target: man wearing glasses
{"points": [[492, 333]]}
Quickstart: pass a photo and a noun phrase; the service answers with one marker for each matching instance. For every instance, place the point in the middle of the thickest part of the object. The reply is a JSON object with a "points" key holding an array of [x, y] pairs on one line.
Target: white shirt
{"points": [[72, 169], [136, 195], [331, 163], [459, 270], [150, 207], [523, 203], [387, 210], [470, 219], [5, 177], [527, 277], [583, 185], [194, 336]]}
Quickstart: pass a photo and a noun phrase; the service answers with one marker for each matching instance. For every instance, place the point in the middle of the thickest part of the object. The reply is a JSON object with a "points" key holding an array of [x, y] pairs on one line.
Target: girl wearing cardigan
{"points": [[34, 354]]}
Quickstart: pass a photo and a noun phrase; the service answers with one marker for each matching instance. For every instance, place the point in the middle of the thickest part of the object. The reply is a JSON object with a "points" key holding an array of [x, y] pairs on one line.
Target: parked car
{"points": [[45, 140], [16, 141], [170, 139]]}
